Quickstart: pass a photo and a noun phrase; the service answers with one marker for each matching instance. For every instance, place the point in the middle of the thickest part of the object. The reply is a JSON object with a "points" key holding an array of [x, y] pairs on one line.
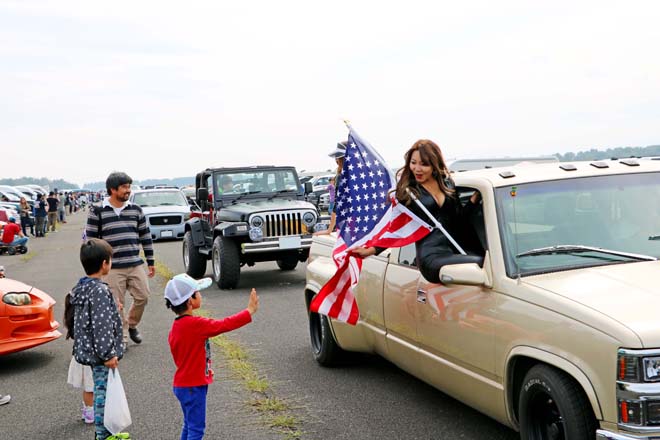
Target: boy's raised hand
{"points": [[253, 304]]}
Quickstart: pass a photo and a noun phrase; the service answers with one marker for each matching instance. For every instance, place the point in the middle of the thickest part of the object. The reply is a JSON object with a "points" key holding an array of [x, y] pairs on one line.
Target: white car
{"points": [[166, 211]]}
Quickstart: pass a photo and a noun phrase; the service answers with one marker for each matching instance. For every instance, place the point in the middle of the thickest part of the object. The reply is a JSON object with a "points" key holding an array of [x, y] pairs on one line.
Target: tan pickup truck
{"points": [[558, 335]]}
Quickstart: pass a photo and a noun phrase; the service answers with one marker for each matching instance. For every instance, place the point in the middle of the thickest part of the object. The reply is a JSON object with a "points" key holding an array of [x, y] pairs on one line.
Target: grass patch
{"points": [[275, 411], [287, 425], [269, 404], [163, 271], [27, 257]]}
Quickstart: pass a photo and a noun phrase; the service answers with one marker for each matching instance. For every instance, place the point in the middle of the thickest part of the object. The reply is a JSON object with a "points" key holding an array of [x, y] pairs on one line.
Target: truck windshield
{"points": [[257, 181], [617, 213]]}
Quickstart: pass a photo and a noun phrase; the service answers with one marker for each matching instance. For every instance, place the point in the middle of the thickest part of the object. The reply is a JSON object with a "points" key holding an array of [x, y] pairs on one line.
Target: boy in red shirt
{"points": [[9, 233], [191, 349]]}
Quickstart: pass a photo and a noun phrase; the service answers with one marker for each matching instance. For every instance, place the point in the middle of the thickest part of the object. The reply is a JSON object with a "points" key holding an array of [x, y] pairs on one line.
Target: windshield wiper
{"points": [[572, 248], [654, 237], [280, 192], [243, 195]]}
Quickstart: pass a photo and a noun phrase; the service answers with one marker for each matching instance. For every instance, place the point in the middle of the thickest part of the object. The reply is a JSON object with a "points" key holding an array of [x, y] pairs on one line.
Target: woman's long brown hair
{"points": [[430, 153]]}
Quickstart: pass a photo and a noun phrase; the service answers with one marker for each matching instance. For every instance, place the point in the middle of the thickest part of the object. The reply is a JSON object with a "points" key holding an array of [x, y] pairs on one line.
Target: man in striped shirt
{"points": [[124, 226]]}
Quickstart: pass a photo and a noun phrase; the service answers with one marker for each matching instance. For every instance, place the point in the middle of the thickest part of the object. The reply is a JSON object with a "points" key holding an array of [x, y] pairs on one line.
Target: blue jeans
{"points": [[193, 404], [19, 241], [100, 374]]}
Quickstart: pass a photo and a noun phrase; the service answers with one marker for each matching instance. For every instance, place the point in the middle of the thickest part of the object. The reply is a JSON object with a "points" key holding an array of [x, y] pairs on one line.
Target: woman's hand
{"points": [[364, 252], [475, 198]]}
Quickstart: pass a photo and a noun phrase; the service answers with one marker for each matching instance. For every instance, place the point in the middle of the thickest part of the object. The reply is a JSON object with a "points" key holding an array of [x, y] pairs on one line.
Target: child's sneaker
{"points": [[119, 436], [88, 414]]}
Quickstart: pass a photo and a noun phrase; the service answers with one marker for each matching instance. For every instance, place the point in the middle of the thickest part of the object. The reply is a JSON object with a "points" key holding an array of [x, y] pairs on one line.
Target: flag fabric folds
{"points": [[366, 215]]}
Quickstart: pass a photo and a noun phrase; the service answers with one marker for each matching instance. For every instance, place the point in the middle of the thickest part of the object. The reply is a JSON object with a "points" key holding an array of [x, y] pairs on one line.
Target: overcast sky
{"points": [[165, 89]]}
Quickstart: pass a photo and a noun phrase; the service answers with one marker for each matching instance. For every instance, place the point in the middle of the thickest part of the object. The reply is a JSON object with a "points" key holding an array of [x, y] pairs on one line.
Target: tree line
{"points": [[619, 153], [591, 154]]}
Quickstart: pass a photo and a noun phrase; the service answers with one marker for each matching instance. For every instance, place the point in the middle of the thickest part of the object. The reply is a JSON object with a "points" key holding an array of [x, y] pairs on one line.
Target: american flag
{"points": [[367, 215]]}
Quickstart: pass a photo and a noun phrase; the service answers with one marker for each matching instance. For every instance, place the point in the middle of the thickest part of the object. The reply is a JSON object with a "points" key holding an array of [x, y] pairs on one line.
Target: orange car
{"points": [[26, 317]]}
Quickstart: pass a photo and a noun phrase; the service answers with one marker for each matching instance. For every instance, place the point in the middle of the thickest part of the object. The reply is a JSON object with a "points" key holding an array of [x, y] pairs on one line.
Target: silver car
{"points": [[166, 211]]}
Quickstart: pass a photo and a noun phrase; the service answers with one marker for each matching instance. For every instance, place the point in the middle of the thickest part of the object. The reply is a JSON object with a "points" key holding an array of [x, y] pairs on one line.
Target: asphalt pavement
{"points": [[368, 398]]}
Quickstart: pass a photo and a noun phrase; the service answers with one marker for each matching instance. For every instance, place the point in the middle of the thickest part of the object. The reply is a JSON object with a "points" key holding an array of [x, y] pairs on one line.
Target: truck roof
{"points": [[532, 172]]}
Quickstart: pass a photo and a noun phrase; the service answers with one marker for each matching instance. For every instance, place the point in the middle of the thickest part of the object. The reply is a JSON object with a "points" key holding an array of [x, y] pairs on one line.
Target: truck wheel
{"points": [[324, 347], [226, 263], [553, 406], [288, 262], [193, 261]]}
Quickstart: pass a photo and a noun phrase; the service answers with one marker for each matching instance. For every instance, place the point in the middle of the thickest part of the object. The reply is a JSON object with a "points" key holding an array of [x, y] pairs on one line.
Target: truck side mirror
{"points": [[308, 187], [468, 274]]}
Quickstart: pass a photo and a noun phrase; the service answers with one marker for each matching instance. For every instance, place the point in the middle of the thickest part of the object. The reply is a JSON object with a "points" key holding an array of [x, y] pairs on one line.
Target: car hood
{"points": [[8, 285], [627, 293], [261, 205], [150, 210]]}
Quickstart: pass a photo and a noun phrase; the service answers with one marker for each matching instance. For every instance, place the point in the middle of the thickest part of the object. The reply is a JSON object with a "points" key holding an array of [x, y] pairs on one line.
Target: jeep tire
{"points": [[553, 406], [289, 262], [193, 261], [226, 262]]}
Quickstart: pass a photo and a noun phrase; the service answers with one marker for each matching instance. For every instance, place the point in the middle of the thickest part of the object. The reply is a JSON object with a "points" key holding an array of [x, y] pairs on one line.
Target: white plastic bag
{"points": [[117, 415]]}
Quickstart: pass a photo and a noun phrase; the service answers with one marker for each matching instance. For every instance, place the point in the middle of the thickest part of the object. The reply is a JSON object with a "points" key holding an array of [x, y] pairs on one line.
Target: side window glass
{"points": [[475, 221], [407, 255]]}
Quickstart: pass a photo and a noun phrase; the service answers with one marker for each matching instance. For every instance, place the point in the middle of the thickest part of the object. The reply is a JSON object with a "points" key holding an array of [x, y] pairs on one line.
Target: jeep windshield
{"points": [[576, 223], [160, 198], [243, 183]]}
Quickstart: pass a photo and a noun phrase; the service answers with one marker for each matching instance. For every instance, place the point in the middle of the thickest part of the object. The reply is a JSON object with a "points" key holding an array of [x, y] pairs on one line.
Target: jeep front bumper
{"points": [[278, 244]]}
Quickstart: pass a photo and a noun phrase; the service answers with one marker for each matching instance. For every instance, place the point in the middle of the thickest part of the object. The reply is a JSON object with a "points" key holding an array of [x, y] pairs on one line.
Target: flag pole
{"points": [[436, 222]]}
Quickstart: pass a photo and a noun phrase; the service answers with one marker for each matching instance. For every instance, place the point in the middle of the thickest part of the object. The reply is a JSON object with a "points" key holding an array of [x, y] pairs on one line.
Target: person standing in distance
{"points": [[338, 154], [124, 226]]}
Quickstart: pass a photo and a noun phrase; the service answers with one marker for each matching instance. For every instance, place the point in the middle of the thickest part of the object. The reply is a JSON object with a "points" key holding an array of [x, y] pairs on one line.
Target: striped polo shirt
{"points": [[125, 230]]}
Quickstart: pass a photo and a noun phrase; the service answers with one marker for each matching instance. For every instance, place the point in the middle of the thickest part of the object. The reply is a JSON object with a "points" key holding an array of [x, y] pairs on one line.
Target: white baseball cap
{"points": [[182, 287]]}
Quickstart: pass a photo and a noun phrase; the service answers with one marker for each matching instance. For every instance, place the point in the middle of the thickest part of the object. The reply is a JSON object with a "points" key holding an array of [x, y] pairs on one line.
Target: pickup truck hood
{"points": [[628, 293]]}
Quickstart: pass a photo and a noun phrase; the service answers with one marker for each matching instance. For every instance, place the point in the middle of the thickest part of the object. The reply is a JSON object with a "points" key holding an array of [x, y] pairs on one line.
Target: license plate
{"points": [[166, 234], [289, 242]]}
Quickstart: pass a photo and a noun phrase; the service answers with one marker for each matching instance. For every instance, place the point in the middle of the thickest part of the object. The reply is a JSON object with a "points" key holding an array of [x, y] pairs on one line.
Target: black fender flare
{"points": [[194, 225]]}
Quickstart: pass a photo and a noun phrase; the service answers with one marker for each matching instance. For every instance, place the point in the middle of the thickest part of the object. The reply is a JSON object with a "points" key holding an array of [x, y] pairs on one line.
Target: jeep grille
{"points": [[283, 223]]}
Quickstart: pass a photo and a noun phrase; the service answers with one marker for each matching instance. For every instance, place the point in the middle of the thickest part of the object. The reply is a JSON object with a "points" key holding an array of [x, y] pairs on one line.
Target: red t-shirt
{"points": [[191, 348], [9, 232]]}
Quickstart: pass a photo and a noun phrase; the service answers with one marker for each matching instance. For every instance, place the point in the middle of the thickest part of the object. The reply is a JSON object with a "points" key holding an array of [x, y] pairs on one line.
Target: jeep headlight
{"points": [[256, 221], [256, 234], [309, 218]]}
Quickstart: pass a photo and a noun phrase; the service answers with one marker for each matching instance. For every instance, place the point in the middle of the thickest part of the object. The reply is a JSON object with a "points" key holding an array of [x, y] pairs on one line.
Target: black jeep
{"points": [[248, 215]]}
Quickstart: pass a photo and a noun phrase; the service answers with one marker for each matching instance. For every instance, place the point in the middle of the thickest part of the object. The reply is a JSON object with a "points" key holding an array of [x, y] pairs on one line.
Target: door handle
{"points": [[421, 296]]}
